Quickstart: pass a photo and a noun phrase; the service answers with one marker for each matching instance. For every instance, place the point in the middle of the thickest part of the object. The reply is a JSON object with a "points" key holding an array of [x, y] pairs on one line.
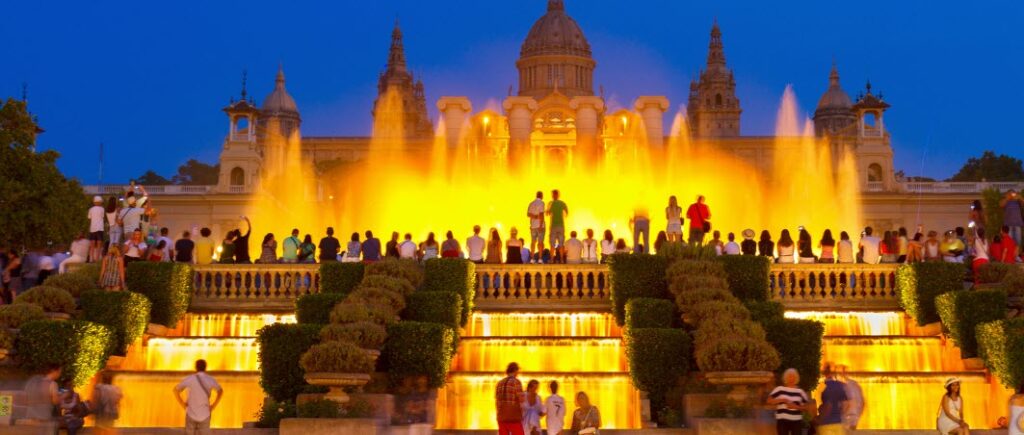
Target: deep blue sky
{"points": [[148, 79]]}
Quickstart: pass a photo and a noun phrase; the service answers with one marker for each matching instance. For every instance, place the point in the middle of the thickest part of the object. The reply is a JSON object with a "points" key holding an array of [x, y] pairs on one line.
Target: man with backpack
{"points": [[199, 406]]}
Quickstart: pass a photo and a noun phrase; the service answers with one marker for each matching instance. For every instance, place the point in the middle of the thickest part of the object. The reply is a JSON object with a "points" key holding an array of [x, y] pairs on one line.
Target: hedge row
{"points": [[341, 278], [657, 358], [315, 309], [280, 348], [1001, 346], [80, 347], [436, 307], [419, 349], [636, 276], [918, 284], [747, 275], [798, 342], [452, 275], [125, 313], [962, 311], [650, 313], [169, 286]]}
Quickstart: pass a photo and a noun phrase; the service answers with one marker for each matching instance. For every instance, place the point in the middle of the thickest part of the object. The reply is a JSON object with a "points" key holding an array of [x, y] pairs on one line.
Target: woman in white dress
{"points": [[674, 215], [533, 409], [951, 411], [1016, 423]]}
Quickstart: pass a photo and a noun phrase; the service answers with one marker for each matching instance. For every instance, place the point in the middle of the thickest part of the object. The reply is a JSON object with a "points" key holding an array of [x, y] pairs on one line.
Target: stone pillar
{"points": [[652, 110], [519, 111], [454, 110], [588, 110]]}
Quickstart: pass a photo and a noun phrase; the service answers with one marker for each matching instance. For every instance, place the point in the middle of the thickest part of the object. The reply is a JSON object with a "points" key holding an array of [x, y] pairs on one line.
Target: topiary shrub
{"points": [[336, 277], [419, 349], [364, 295], [14, 315], [1001, 346], [686, 301], [695, 268], [763, 311], [676, 251], [732, 354], [993, 272], [436, 307], [719, 311], [79, 347], [962, 311], [452, 275], [408, 269], [657, 358], [316, 308], [336, 357], [747, 276], [280, 348], [1013, 283], [398, 285], [727, 328], [272, 412], [169, 286], [349, 313], [650, 313], [84, 277], [125, 313], [50, 299], [366, 335], [633, 276], [688, 283], [919, 283], [798, 343]]}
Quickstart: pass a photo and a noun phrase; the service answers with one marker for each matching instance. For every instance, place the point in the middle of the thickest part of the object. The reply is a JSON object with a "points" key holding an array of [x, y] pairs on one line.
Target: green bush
{"points": [[727, 328], [366, 335], [336, 277], [990, 199], [79, 347], [84, 277], [316, 308], [765, 310], [687, 283], [125, 313], [1013, 283], [727, 408], [962, 311], [435, 307], [364, 295], [6, 339], [169, 286], [272, 412], [408, 269], [51, 299], [731, 354], [15, 315], [675, 251], [348, 313], [280, 348], [650, 313], [993, 272], [695, 268], [401, 286], [798, 343], [319, 408], [419, 349], [657, 358], [919, 283], [453, 275], [1001, 346], [688, 300], [720, 311], [337, 357], [747, 275], [635, 276]]}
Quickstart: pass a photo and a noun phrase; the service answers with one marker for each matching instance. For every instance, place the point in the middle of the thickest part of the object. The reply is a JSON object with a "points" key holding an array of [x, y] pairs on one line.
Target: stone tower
{"points": [[713, 109], [240, 157], [834, 114], [555, 55], [396, 76]]}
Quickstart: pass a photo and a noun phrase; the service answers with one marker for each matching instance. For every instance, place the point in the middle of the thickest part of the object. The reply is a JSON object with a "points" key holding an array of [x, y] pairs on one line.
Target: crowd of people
{"points": [[519, 411]]}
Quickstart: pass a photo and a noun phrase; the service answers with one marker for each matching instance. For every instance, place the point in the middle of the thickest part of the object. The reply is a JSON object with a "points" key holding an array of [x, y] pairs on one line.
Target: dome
{"points": [[279, 101], [835, 97], [555, 33]]}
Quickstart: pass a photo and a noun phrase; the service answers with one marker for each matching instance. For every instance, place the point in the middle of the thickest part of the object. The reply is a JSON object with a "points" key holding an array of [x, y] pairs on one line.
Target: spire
{"points": [[833, 77], [396, 56], [716, 52], [279, 81], [244, 74], [556, 5], [24, 92]]}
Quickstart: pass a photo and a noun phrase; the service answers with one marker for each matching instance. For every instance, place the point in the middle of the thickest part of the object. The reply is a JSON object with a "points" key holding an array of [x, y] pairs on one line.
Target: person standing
{"points": [[242, 243], [1016, 423], [790, 404], [183, 248], [834, 404], [205, 247], [951, 411], [589, 250], [533, 408], [855, 394], [96, 216], [391, 248], [1012, 209], [112, 270], [641, 224], [674, 215], [573, 249], [554, 410], [113, 228], [508, 398], [130, 217], [41, 395], [869, 245], [200, 403], [558, 212], [535, 211], [980, 252], [699, 215], [475, 246], [329, 247], [106, 399], [586, 419], [290, 248], [371, 248], [168, 250], [1009, 248], [12, 276]]}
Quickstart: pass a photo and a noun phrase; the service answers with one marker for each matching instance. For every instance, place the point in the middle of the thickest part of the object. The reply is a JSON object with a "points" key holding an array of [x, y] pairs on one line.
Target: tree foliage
{"points": [[32, 188], [151, 178], [196, 173], [990, 167]]}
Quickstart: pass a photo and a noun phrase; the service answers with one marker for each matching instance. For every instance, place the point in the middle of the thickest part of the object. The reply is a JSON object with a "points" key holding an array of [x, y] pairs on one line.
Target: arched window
{"points": [[870, 119], [242, 124], [237, 177], [718, 99], [874, 172]]}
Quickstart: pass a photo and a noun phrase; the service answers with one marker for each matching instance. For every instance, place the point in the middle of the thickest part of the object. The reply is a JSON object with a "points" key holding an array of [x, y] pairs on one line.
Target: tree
{"points": [[196, 173], [151, 178], [990, 167], [38, 205]]}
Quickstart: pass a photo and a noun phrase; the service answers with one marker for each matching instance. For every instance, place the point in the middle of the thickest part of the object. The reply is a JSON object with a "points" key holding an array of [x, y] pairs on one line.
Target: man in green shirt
{"points": [[290, 248], [558, 211]]}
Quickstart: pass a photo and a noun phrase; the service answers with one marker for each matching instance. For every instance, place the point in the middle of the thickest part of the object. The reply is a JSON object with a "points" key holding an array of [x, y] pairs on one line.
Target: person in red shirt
{"points": [[1009, 251], [699, 216], [995, 249], [508, 398]]}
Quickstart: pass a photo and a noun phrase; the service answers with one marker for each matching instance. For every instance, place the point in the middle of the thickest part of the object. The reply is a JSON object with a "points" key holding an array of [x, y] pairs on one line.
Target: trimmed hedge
{"points": [[962, 311], [336, 357], [452, 275], [316, 308], [657, 358], [280, 348], [401, 286], [747, 275], [650, 313], [51, 299], [798, 342], [1001, 346], [336, 277], [419, 349], [408, 269], [367, 335], [435, 307], [348, 313], [125, 313], [169, 286], [636, 276], [13, 316], [377, 296], [729, 329], [763, 311], [918, 284], [79, 347], [994, 272], [737, 354], [1013, 282], [84, 277]]}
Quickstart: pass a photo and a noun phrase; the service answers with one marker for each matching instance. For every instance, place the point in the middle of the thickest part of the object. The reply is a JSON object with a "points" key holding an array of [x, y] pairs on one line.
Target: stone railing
{"points": [[825, 286], [115, 189], [956, 187], [272, 287], [554, 286]]}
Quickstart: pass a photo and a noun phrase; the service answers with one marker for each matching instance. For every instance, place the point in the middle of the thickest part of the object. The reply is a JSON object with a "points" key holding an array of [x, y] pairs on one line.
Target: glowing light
{"points": [[542, 325], [892, 354], [180, 354], [226, 324], [548, 354], [147, 399], [856, 323]]}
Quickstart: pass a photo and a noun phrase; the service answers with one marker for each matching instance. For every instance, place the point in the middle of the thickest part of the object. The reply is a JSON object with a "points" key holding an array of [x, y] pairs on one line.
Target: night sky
{"points": [[149, 79]]}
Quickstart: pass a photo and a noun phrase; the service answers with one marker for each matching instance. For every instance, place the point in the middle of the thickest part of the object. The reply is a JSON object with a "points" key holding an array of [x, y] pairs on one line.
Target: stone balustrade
{"points": [[551, 285], [831, 286], [268, 287]]}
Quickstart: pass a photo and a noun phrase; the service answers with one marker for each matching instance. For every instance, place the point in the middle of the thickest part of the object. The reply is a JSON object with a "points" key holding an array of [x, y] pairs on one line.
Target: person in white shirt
{"points": [[573, 249], [554, 410], [869, 247], [46, 268], [732, 248], [844, 249], [168, 245], [96, 216], [135, 247], [589, 248], [476, 244], [200, 403], [408, 249], [130, 217], [79, 252], [536, 214]]}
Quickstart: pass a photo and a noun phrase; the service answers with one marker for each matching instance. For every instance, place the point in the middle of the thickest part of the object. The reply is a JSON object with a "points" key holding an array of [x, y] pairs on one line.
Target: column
{"points": [[454, 111], [588, 110], [652, 111], [519, 111]]}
